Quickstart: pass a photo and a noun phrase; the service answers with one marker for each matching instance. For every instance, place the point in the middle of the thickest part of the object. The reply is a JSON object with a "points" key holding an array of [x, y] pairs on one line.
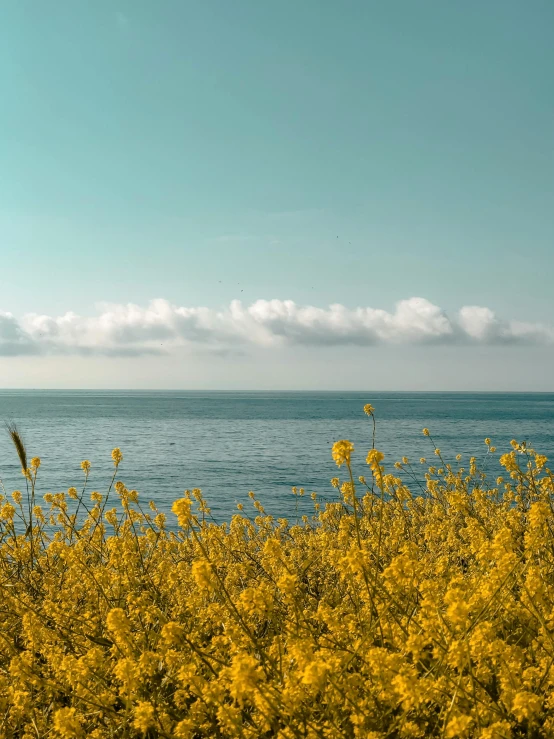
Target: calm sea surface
{"points": [[230, 443]]}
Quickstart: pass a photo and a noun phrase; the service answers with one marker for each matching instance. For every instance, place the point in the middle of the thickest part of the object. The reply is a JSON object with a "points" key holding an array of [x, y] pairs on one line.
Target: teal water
{"points": [[230, 443]]}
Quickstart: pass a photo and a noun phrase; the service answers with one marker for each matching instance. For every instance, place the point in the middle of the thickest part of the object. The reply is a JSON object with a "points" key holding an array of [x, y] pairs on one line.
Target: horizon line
{"points": [[247, 391]]}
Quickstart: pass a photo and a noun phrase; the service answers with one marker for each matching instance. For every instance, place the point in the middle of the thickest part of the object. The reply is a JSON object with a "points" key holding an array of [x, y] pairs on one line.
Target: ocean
{"points": [[229, 443]]}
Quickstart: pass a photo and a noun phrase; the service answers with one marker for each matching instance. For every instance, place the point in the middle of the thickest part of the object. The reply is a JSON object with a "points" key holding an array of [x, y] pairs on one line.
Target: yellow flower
{"points": [[7, 512], [342, 451], [540, 461], [172, 632], [458, 726], [182, 509], [288, 583], [245, 674], [347, 489], [85, 466], [497, 730], [202, 573], [117, 621], [185, 729], [35, 463], [126, 671], [144, 716], [425, 432], [487, 441], [369, 410], [66, 723], [111, 516], [120, 625], [374, 457], [315, 672], [37, 512], [117, 456], [526, 705], [509, 461]]}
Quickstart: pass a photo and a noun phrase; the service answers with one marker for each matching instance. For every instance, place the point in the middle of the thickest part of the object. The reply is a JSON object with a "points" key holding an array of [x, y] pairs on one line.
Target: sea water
{"points": [[229, 443]]}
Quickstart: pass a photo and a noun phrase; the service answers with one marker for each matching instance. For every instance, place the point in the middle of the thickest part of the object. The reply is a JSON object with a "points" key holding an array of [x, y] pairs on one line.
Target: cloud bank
{"points": [[160, 327]]}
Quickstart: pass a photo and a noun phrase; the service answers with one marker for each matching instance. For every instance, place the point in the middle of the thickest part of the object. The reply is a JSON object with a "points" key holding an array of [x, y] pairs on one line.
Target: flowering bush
{"points": [[388, 613]]}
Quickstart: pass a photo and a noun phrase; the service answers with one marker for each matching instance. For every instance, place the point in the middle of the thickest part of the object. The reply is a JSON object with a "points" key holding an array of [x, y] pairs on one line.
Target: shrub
{"points": [[385, 614]]}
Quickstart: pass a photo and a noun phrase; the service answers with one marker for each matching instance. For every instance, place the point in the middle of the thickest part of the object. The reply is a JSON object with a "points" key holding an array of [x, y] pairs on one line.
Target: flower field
{"points": [[420, 603]]}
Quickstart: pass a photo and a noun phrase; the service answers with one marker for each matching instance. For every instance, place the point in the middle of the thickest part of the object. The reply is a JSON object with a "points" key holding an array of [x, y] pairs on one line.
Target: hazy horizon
{"points": [[243, 391]]}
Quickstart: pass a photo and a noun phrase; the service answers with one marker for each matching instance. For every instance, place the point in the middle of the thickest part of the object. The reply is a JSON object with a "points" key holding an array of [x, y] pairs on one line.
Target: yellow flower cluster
{"points": [[388, 613]]}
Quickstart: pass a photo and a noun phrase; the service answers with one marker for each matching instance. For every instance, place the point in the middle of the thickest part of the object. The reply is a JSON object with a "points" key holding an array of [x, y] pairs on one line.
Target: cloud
{"points": [[160, 327], [480, 324], [14, 341]]}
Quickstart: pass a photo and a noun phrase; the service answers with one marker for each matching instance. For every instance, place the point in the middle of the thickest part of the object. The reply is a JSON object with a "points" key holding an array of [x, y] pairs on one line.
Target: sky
{"points": [[277, 195]]}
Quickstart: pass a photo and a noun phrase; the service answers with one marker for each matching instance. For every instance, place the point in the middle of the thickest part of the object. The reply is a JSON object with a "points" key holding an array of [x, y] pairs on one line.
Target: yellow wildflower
{"points": [[202, 573], [342, 451], [458, 726], [245, 675], [143, 716], [418, 613], [526, 705], [117, 621], [182, 509], [374, 457], [66, 723], [117, 456]]}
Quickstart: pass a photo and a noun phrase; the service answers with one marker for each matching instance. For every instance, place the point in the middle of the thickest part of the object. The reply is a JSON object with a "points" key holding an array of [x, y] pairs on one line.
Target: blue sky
{"points": [[359, 153]]}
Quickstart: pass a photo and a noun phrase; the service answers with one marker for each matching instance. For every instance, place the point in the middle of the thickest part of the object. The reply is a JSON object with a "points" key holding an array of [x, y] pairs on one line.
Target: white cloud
{"points": [[479, 323], [14, 341], [160, 327]]}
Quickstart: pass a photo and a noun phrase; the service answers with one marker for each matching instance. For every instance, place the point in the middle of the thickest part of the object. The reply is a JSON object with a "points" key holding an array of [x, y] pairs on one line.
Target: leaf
{"points": [[100, 640]]}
